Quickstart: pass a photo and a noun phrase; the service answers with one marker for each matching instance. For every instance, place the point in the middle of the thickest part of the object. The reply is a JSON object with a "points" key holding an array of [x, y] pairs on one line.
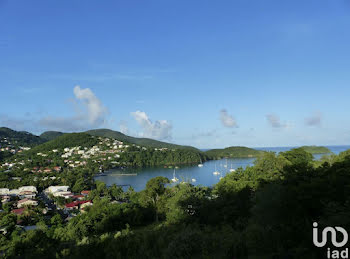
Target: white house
{"points": [[26, 202], [4, 191], [53, 189], [27, 188]]}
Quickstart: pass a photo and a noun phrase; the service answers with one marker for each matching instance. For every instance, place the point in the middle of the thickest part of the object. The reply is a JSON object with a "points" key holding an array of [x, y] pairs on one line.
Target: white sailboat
{"points": [[174, 179], [232, 170], [200, 164], [225, 164], [216, 172], [194, 180]]}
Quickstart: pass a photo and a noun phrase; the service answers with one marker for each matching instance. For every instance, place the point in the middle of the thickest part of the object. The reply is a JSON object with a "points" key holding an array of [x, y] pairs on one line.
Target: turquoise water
{"points": [[137, 178]]}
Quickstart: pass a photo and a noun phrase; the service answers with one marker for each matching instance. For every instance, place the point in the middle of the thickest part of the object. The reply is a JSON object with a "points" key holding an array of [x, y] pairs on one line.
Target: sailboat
{"points": [[194, 180], [232, 170], [201, 164], [216, 172], [174, 179], [225, 164]]}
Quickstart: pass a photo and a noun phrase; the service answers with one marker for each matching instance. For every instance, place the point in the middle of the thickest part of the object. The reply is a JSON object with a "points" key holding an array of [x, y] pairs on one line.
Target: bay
{"points": [[138, 177]]}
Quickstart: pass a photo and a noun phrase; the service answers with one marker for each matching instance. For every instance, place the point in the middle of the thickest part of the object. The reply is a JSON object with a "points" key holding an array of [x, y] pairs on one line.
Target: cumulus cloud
{"points": [[123, 127], [227, 120], [90, 113], [275, 121], [160, 129], [314, 120]]}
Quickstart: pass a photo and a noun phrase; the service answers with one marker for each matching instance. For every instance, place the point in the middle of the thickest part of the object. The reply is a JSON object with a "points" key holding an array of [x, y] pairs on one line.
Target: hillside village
{"points": [[52, 167]]}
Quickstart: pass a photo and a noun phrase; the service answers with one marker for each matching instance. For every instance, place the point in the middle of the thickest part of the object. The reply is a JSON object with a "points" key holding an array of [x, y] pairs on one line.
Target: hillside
{"points": [[50, 135], [9, 137], [316, 149], [67, 140], [138, 141], [233, 152]]}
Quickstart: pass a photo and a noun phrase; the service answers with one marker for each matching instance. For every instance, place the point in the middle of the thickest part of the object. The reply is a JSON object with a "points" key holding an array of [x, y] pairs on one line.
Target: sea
{"points": [[138, 177]]}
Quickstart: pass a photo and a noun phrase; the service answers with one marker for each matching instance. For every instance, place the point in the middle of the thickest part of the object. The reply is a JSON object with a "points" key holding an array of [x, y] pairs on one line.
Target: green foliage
{"points": [[20, 138], [233, 152], [50, 135], [152, 157], [316, 149], [67, 140]]}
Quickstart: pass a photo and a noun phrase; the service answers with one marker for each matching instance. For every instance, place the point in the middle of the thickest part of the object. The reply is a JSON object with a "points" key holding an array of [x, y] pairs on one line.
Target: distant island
{"points": [[233, 152], [316, 149]]}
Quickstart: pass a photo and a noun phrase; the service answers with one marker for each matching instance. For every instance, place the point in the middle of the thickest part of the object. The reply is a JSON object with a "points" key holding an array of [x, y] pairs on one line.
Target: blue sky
{"points": [[202, 73]]}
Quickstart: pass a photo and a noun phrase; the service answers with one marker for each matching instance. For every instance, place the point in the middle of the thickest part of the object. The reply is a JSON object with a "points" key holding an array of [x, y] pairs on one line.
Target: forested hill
{"points": [[107, 133], [67, 140], [50, 135], [18, 138], [233, 152], [316, 149]]}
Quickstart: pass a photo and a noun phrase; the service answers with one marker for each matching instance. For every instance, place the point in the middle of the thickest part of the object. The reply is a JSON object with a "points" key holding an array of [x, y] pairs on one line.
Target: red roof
{"points": [[18, 211], [75, 203], [85, 192]]}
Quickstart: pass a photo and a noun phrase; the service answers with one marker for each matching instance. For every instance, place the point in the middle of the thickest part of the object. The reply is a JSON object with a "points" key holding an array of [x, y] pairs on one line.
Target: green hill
{"points": [[138, 141], [233, 152], [18, 138], [67, 140], [50, 135], [316, 149]]}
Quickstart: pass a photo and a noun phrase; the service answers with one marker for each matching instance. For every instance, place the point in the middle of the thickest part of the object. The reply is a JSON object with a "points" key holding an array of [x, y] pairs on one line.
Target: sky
{"points": [[210, 74]]}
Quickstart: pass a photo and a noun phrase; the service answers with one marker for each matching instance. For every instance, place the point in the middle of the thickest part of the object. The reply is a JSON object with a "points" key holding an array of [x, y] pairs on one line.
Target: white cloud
{"points": [[160, 129], [123, 127], [90, 113], [275, 121], [227, 120], [314, 120]]}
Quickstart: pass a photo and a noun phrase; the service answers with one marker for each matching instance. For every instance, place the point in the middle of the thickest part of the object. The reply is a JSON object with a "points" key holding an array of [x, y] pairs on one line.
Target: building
{"points": [[18, 211], [77, 204], [53, 189], [26, 202], [27, 188]]}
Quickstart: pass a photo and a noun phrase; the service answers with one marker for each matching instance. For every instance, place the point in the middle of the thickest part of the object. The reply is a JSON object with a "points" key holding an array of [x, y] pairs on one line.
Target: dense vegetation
{"points": [[20, 138], [316, 149], [233, 152], [152, 157], [67, 140], [264, 211], [138, 141], [50, 135]]}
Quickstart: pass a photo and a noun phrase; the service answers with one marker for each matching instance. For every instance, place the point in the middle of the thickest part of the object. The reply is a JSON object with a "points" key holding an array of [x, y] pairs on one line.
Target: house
{"points": [[4, 191], [18, 211], [57, 169], [5, 199], [26, 202], [53, 189], [27, 194], [27, 188], [76, 204], [85, 193]]}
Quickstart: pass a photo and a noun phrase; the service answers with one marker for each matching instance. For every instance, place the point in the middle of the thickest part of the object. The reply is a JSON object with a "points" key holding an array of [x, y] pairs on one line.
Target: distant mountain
{"points": [[18, 138], [107, 133], [316, 149], [233, 152], [50, 135]]}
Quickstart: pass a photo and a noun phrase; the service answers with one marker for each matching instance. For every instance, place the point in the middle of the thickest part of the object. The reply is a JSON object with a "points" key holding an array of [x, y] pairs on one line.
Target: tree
{"points": [[154, 189]]}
